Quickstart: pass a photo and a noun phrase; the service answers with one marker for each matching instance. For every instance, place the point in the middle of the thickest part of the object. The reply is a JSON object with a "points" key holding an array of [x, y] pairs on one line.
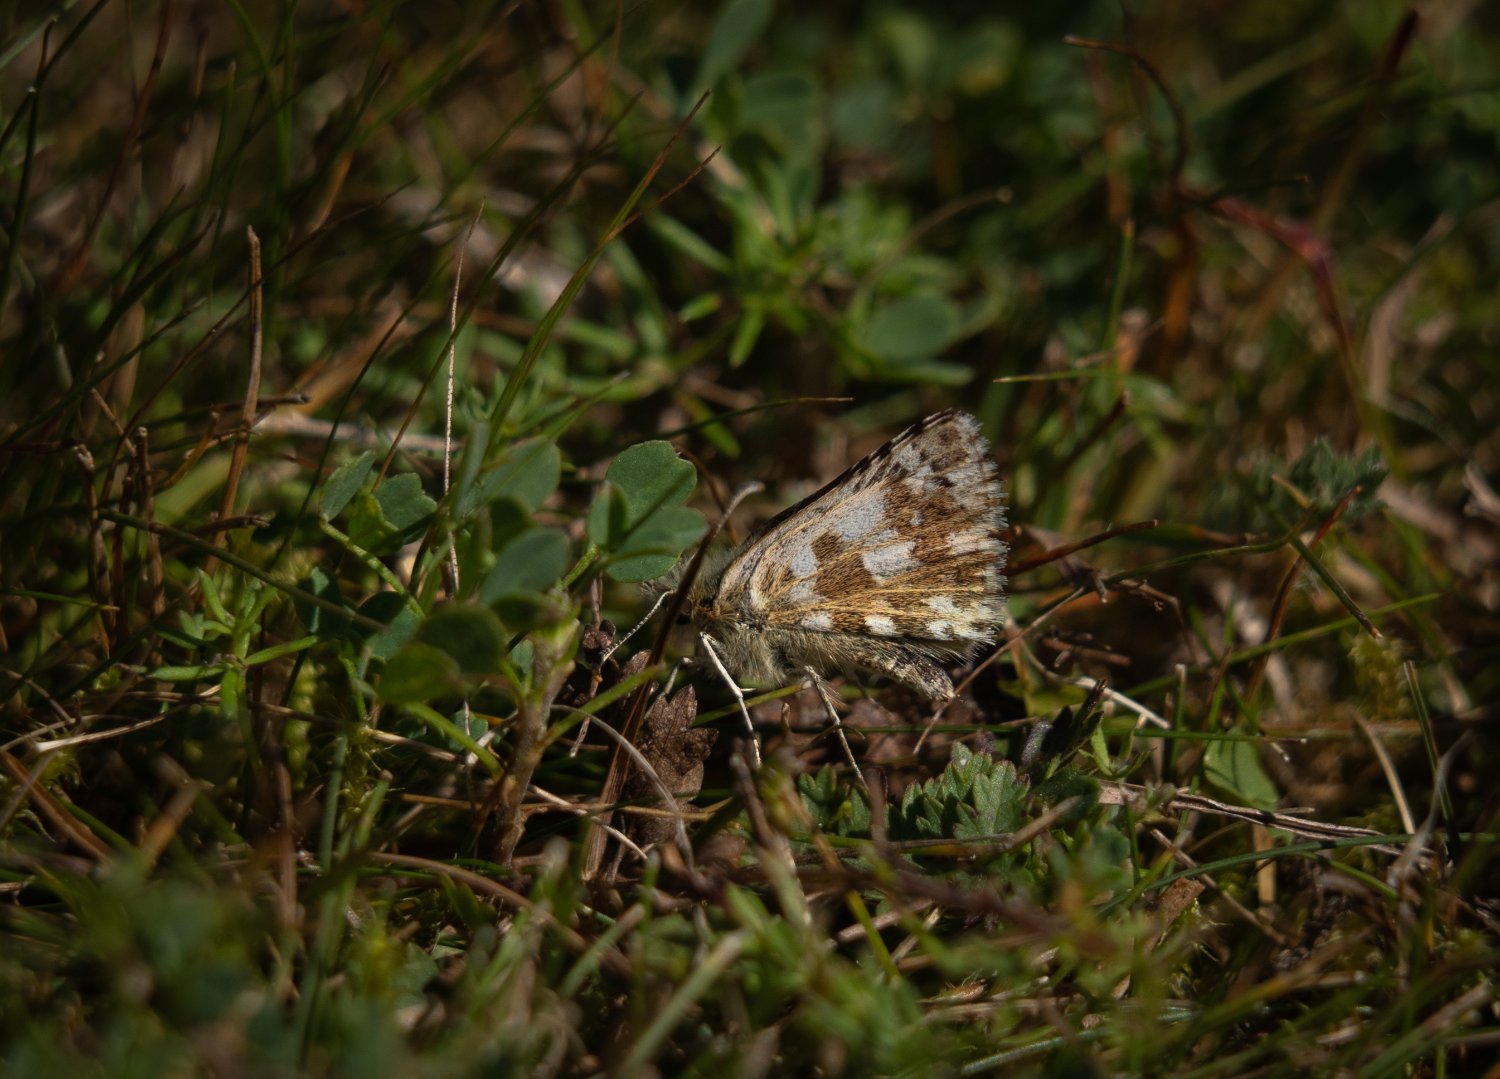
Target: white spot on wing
{"points": [[968, 623], [818, 620], [880, 625], [971, 541], [860, 519], [804, 562], [886, 562]]}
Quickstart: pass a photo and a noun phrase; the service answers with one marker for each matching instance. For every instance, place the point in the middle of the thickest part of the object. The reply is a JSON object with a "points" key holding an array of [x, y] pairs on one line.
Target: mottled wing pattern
{"points": [[906, 544]]}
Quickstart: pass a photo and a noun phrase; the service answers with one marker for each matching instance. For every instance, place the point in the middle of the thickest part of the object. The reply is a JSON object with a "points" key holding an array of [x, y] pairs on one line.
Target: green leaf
{"points": [[700, 307], [532, 562], [999, 797], [656, 546], [638, 517], [508, 519], [1069, 784], [394, 514], [1234, 767], [835, 807], [746, 333], [320, 620], [1052, 740], [529, 473], [231, 691], [689, 243], [400, 620], [860, 113], [615, 344], [785, 106], [1093, 860], [1322, 479], [471, 636], [420, 672], [984, 57], [975, 796], [912, 40], [739, 26], [522, 664], [911, 328], [525, 569], [193, 625], [401, 623], [405, 505], [932, 373], [345, 483], [651, 476]]}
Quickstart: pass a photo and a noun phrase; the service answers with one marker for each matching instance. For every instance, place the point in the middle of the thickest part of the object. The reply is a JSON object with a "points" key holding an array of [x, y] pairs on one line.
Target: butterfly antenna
{"points": [[637, 627]]}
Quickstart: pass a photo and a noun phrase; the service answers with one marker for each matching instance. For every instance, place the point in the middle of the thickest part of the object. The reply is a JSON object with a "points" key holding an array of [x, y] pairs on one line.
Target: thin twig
{"points": [[1388, 767], [618, 964], [252, 385], [458, 276], [1179, 118], [73, 269], [1284, 594]]}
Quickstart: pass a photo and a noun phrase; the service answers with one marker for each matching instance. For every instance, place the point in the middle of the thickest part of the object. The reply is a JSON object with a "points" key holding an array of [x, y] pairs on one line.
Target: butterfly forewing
{"points": [[906, 544]]}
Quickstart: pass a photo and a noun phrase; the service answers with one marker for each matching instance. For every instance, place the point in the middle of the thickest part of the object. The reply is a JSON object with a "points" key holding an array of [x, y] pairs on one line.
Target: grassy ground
{"points": [[308, 708]]}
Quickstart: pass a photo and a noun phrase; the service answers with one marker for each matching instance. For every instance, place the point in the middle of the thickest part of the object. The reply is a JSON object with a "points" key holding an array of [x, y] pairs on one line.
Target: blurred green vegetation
{"points": [[308, 586]]}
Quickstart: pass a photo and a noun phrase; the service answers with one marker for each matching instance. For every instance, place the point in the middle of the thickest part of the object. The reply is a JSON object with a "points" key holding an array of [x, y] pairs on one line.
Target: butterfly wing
{"points": [[906, 544]]}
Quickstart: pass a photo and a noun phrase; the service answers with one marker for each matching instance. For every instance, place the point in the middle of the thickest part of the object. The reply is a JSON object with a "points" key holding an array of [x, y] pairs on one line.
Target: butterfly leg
{"points": [[821, 687], [734, 688]]}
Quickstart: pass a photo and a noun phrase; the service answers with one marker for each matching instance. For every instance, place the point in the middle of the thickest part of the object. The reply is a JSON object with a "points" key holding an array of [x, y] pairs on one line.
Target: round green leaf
{"points": [[528, 473], [654, 548], [401, 623], [638, 517], [395, 513], [472, 636], [529, 564], [785, 105], [403, 502], [419, 672], [911, 328], [651, 476], [609, 517]]}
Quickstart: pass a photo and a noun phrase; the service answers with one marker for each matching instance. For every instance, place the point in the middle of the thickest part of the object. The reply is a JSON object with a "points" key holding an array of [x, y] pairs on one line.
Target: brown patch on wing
{"points": [[841, 571]]}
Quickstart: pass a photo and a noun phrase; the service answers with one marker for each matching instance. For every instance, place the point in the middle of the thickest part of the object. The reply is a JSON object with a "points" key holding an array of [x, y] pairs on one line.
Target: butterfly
{"points": [[890, 568]]}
